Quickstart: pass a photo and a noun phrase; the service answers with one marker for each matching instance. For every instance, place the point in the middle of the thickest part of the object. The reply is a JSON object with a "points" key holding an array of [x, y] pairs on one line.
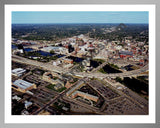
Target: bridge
{"points": [[45, 66], [100, 66], [132, 73], [50, 67]]}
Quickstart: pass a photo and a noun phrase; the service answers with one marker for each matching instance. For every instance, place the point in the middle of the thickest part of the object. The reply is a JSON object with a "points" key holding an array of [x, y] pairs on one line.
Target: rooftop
{"points": [[85, 94], [18, 70], [125, 53], [22, 84]]}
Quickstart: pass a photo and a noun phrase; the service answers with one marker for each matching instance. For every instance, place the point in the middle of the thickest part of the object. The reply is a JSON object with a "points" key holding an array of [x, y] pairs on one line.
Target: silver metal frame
{"points": [[4, 2]]}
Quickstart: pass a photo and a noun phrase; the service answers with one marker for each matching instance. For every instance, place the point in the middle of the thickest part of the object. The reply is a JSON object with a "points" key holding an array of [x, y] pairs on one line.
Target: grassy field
{"points": [[51, 86]]}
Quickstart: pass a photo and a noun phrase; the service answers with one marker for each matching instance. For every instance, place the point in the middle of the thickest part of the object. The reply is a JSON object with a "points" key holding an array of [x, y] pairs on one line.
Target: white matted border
{"points": [[82, 118]]}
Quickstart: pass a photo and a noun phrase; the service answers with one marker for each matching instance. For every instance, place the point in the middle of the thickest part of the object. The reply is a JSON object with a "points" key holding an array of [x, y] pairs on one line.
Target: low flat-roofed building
{"points": [[18, 71], [49, 48], [25, 112], [68, 61], [124, 54], [65, 108], [68, 84], [52, 78], [27, 104], [79, 84], [58, 86], [23, 86], [16, 98], [84, 95]]}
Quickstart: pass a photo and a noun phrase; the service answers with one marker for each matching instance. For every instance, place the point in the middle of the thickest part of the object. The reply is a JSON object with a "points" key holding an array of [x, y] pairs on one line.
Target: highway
{"points": [[100, 66], [50, 67], [45, 66], [51, 101]]}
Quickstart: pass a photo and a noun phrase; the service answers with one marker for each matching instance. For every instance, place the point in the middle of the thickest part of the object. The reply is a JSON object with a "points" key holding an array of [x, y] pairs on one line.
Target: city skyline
{"points": [[39, 17]]}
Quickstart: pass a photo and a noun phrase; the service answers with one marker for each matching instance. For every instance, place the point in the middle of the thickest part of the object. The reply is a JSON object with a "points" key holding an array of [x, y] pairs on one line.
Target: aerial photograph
{"points": [[80, 63]]}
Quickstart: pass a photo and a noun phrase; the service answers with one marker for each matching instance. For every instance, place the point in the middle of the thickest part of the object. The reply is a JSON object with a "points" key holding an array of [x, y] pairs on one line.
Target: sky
{"points": [[27, 17]]}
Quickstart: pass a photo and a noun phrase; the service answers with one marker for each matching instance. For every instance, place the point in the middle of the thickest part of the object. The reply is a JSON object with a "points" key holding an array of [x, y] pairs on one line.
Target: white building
{"points": [[118, 47], [55, 49], [55, 63], [27, 104], [18, 71], [16, 98], [84, 47], [25, 112], [23, 86]]}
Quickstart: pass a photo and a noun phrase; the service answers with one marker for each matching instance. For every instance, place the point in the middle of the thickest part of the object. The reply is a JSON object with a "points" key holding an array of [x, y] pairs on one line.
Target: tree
{"points": [[52, 52]]}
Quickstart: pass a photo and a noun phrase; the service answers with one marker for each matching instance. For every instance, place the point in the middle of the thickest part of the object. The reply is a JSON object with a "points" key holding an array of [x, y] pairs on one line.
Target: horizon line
{"points": [[79, 23]]}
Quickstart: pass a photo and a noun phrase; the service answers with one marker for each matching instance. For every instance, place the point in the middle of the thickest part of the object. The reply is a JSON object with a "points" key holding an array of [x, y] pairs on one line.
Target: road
{"points": [[113, 75], [51, 101], [47, 66], [100, 66], [50, 67], [92, 108]]}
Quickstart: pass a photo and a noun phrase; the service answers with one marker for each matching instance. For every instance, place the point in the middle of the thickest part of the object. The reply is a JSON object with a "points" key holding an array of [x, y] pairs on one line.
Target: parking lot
{"points": [[103, 90]]}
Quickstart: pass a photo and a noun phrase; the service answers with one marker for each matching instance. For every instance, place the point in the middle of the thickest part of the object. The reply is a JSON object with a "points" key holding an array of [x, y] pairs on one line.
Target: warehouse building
{"points": [[52, 78], [84, 95], [80, 84], [68, 61], [18, 72], [125, 54], [23, 86]]}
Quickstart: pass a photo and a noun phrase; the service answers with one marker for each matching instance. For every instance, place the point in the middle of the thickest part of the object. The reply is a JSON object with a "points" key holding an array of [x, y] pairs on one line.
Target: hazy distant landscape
{"points": [[53, 32]]}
